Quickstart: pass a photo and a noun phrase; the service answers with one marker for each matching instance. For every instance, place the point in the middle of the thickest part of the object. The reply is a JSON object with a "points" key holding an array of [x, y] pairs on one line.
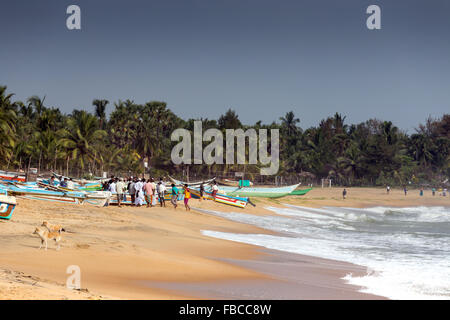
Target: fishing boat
{"points": [[79, 181], [12, 176], [231, 183], [191, 184], [44, 194], [300, 192], [7, 204], [257, 192], [80, 184], [244, 191], [92, 186], [98, 198], [51, 193], [239, 202]]}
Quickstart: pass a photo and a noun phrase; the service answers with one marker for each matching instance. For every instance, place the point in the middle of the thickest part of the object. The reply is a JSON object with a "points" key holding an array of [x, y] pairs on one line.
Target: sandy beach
{"points": [[160, 253]]}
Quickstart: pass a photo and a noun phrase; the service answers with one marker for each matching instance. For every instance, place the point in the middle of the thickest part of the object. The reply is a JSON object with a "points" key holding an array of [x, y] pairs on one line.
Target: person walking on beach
{"points": [[153, 184], [174, 198], [202, 191], [388, 188], [433, 191], [112, 186], [120, 186], [187, 196], [125, 189], [444, 193], [215, 189], [162, 193], [344, 194], [132, 191], [148, 188], [421, 192], [158, 185], [139, 193], [405, 190]]}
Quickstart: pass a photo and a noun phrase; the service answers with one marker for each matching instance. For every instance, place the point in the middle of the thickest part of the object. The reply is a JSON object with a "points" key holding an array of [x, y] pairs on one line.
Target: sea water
{"points": [[406, 250]]}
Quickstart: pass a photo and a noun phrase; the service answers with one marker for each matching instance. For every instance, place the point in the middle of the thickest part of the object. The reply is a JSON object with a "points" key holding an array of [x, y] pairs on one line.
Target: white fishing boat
{"points": [[191, 184]]}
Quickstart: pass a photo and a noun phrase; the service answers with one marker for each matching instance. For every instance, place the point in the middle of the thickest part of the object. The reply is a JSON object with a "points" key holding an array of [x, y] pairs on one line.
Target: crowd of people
{"points": [[442, 191], [147, 191]]}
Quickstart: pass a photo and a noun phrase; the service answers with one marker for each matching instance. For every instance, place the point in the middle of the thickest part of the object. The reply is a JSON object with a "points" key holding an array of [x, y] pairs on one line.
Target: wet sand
{"points": [[291, 277]]}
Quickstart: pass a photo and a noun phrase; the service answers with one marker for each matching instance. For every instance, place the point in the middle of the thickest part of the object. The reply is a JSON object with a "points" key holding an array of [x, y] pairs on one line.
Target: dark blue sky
{"points": [[259, 57]]}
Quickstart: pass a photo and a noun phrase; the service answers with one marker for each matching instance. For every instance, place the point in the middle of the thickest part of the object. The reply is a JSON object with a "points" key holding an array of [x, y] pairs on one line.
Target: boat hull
{"points": [[60, 199], [97, 198], [220, 198], [257, 192], [191, 184], [7, 206], [12, 178], [300, 192]]}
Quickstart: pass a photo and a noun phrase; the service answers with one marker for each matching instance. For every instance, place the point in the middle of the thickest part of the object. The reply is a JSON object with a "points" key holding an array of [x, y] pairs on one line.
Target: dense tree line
{"points": [[370, 153]]}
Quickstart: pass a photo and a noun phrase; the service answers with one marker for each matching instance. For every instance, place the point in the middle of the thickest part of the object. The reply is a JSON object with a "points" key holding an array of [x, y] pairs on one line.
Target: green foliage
{"points": [[82, 143]]}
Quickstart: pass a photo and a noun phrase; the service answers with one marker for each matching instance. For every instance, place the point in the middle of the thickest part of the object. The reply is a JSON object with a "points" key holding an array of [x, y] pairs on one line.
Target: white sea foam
{"points": [[407, 250]]}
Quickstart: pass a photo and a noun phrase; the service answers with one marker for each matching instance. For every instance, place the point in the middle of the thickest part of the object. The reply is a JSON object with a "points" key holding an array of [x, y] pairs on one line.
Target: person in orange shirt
{"points": [[187, 196], [148, 188]]}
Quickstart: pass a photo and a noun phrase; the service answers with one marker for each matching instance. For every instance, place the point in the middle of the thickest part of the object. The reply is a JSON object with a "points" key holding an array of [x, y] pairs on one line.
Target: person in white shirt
{"points": [[120, 187], [70, 184], [112, 187], [162, 193], [215, 188], [139, 193]]}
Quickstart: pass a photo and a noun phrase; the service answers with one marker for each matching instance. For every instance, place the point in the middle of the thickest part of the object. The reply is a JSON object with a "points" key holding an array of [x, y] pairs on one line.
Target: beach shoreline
{"points": [[290, 277], [134, 253]]}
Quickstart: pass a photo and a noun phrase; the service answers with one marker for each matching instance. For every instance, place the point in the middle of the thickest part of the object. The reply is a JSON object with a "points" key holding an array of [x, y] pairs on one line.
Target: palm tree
{"points": [[5, 99], [289, 123], [123, 123], [230, 120], [128, 161], [338, 123], [352, 163], [37, 104], [100, 108], [8, 118], [423, 148], [46, 144], [7, 133], [80, 136]]}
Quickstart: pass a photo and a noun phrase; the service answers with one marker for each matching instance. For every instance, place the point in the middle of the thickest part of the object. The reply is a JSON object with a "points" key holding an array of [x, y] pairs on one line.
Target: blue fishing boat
{"points": [[55, 194], [7, 204]]}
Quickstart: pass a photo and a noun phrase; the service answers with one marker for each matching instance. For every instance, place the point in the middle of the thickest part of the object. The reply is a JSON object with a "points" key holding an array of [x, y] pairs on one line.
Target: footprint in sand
{"points": [[82, 246]]}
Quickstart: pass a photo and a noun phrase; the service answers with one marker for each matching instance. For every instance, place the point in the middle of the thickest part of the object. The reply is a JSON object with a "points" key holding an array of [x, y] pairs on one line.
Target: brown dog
{"points": [[53, 227], [46, 235]]}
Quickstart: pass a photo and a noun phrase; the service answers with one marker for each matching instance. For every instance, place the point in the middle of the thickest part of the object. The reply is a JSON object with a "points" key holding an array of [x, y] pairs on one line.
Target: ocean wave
{"points": [[406, 250]]}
